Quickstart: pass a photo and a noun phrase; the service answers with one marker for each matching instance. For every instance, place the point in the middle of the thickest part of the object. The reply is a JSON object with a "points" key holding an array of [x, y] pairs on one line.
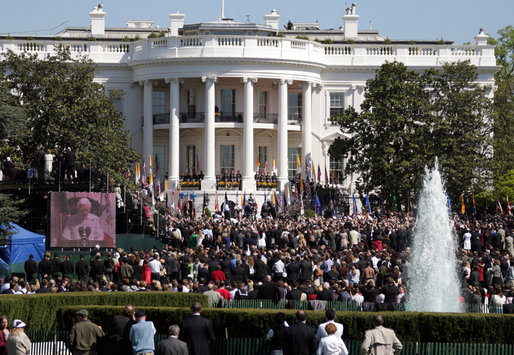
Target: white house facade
{"points": [[225, 95]]}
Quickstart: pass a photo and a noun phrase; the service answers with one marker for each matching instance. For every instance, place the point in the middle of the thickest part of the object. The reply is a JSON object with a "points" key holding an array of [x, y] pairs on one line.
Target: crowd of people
{"points": [[48, 166], [363, 260]]}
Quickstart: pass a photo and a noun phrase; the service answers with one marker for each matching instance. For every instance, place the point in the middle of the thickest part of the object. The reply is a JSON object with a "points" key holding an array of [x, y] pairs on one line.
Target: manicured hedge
{"points": [[254, 323], [38, 310]]}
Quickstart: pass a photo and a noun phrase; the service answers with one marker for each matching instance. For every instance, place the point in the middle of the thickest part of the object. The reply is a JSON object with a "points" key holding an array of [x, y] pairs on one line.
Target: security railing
{"points": [[56, 342], [351, 306]]}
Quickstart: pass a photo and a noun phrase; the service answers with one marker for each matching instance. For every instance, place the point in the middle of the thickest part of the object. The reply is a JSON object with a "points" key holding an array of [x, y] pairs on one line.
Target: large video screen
{"points": [[82, 219]]}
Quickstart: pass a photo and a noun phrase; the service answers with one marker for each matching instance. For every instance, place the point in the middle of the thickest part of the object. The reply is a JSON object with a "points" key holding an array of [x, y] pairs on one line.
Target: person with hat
{"points": [[18, 343], [142, 335], [84, 335]]}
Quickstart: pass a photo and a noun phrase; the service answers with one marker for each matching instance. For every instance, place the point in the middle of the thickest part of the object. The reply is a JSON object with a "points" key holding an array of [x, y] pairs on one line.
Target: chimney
{"points": [[272, 19], [176, 23], [351, 23], [98, 21], [481, 38]]}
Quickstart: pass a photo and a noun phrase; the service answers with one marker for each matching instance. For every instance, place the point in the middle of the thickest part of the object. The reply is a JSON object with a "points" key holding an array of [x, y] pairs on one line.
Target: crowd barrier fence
{"points": [[55, 343], [352, 306]]}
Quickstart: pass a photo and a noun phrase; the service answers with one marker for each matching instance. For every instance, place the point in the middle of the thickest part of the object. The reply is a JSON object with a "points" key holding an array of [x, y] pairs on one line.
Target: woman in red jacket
{"points": [[147, 273], [4, 333]]}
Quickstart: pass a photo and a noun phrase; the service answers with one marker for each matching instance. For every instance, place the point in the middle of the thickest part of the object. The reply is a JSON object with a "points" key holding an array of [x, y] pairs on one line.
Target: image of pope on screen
{"points": [[82, 220], [83, 225]]}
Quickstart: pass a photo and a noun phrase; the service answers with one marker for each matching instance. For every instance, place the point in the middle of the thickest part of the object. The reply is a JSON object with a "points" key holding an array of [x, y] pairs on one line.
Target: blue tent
{"points": [[20, 245]]}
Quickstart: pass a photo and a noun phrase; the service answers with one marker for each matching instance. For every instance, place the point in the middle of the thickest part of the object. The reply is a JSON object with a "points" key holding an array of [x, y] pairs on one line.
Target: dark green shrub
{"points": [[152, 35], [39, 310], [409, 326]]}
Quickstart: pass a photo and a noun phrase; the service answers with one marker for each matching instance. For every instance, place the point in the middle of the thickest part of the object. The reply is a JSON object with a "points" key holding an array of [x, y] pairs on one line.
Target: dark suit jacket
{"points": [[197, 332], [269, 291], [325, 295], [118, 336], [172, 346], [302, 339], [294, 295]]}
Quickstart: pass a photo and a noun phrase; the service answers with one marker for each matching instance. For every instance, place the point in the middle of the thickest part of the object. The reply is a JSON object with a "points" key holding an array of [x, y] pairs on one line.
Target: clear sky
{"points": [[455, 20]]}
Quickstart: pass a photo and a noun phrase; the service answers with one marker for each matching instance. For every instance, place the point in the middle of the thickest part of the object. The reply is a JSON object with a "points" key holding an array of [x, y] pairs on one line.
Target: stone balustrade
{"points": [[271, 48]]}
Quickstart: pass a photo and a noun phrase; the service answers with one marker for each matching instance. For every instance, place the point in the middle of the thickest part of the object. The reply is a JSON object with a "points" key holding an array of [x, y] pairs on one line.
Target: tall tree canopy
{"points": [[64, 107], [406, 120], [504, 103]]}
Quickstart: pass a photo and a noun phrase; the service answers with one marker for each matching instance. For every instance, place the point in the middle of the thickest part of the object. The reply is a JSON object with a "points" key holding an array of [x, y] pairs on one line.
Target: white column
{"points": [[209, 180], [306, 128], [174, 133], [282, 133], [248, 161], [148, 121]]}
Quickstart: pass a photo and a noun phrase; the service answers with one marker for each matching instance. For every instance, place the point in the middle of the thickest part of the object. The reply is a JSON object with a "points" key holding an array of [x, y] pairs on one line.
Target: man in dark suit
{"points": [[293, 270], [30, 268], [302, 338], [294, 294], [306, 270], [197, 331], [40, 162], [171, 345], [261, 270], [82, 269], [326, 294], [268, 290], [45, 267], [118, 336], [69, 164]]}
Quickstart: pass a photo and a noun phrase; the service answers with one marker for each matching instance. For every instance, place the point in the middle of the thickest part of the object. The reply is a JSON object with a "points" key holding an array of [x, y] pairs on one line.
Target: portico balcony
{"points": [[199, 117]]}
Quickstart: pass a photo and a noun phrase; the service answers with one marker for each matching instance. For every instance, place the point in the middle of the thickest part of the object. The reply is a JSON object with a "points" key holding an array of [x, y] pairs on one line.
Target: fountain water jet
{"points": [[434, 285]]}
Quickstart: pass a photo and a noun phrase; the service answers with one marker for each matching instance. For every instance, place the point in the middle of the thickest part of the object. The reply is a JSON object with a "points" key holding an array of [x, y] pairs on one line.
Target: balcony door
{"points": [[228, 103]]}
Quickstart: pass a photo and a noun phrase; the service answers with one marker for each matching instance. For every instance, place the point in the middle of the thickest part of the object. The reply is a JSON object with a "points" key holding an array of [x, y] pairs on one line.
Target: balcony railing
{"points": [[229, 118], [199, 117], [265, 118], [161, 118], [189, 117], [294, 118]]}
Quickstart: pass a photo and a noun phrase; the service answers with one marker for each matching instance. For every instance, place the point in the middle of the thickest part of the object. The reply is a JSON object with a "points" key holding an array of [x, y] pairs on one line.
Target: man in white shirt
{"points": [[278, 270], [155, 267], [330, 315]]}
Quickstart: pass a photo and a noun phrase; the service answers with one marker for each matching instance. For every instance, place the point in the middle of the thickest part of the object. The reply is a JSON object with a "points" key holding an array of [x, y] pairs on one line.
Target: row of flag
{"points": [[499, 207], [310, 171]]}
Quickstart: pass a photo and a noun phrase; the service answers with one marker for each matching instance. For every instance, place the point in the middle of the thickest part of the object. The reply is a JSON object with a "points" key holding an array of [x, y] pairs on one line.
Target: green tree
{"points": [[13, 120], [409, 118], [65, 107], [503, 160], [387, 147], [9, 212], [461, 128]]}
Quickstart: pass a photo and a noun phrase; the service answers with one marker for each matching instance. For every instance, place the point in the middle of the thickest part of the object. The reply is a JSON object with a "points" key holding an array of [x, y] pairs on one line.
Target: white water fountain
{"points": [[434, 285]]}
